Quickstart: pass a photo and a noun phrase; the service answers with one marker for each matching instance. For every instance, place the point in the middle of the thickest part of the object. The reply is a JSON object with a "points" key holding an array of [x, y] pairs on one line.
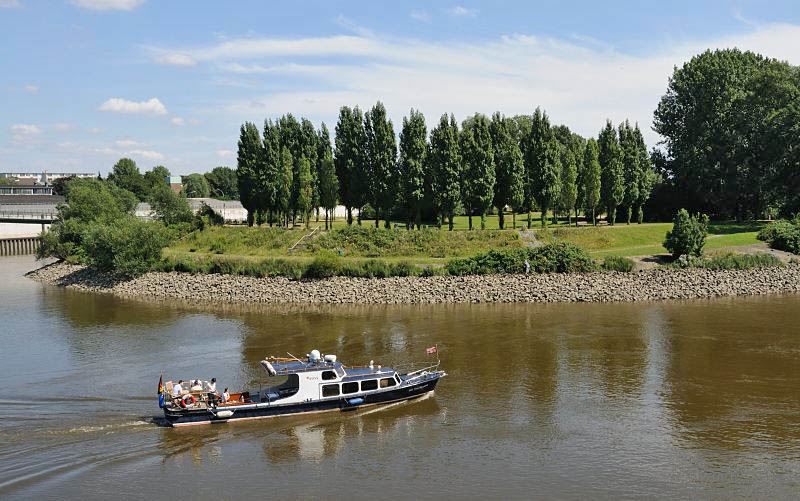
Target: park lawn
{"points": [[645, 239]]}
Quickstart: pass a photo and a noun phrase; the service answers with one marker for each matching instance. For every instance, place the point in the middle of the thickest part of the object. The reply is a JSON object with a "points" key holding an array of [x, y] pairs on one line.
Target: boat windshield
{"points": [[287, 386]]}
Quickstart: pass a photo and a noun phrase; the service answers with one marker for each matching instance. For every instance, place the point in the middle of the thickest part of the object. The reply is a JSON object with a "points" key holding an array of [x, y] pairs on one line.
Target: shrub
{"points": [[688, 234], [557, 257], [323, 267], [128, 246], [782, 235], [732, 261], [617, 263]]}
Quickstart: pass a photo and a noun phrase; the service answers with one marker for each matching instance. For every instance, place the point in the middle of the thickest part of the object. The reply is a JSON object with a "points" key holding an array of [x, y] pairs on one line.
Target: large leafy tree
{"points": [[249, 156], [310, 146], [591, 178], [291, 136], [721, 153], [522, 131], [569, 182], [155, 177], [126, 175], [328, 185], [477, 157], [413, 148], [543, 164], [509, 166], [445, 163], [195, 186], [269, 172], [382, 161], [612, 185], [223, 183]]}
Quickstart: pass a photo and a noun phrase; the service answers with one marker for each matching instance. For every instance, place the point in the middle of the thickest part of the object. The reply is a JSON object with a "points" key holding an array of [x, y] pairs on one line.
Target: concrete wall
{"points": [[14, 230], [18, 246]]}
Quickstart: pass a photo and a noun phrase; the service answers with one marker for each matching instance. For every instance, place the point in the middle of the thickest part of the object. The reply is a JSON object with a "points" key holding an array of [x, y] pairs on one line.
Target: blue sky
{"points": [[85, 82]]}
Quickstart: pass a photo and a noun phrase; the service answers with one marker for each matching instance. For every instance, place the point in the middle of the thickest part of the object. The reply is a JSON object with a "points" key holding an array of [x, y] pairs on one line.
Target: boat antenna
{"points": [[294, 357]]}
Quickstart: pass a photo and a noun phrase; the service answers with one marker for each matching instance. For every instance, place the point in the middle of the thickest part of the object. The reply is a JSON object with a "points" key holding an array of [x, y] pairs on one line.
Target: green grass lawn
{"points": [[432, 246]]}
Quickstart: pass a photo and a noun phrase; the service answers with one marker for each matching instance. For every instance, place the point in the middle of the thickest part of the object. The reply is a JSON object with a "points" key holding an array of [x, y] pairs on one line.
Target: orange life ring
{"points": [[187, 400]]}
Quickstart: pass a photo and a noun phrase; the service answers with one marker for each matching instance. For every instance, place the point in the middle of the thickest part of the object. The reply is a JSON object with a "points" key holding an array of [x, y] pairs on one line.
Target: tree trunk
{"points": [[418, 218], [387, 223], [576, 217], [594, 218], [639, 214], [250, 218], [500, 219], [514, 219], [470, 221], [377, 220], [569, 218], [450, 222], [349, 211], [544, 217], [630, 213], [483, 220], [529, 220]]}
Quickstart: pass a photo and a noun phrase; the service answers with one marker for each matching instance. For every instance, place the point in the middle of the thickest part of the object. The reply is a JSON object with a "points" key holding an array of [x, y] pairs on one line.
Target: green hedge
{"points": [[782, 235], [557, 257], [617, 263], [729, 261]]}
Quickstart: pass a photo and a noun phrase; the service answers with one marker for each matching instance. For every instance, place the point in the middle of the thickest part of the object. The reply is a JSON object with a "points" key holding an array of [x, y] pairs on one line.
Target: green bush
{"points": [[557, 257], [617, 263], [129, 246], [323, 267], [728, 261], [782, 235], [688, 234]]}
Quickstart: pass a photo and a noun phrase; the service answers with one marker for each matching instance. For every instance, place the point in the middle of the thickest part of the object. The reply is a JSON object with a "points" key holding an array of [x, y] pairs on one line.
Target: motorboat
{"points": [[317, 383]]}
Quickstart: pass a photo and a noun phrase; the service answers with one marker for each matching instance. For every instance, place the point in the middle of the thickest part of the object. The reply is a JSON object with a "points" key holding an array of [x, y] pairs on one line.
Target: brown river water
{"points": [[671, 399]]}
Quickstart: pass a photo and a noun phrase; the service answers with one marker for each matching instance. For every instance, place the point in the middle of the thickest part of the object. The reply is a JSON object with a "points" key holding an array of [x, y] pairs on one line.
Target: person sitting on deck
{"points": [[196, 386], [225, 395], [177, 389]]}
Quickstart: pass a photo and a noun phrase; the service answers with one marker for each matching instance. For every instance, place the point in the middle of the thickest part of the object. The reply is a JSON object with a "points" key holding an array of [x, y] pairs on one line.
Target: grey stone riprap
{"points": [[646, 285]]}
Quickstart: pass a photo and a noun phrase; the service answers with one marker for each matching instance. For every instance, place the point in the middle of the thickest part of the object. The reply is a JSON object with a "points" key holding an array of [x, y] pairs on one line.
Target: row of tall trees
{"points": [[522, 162]]}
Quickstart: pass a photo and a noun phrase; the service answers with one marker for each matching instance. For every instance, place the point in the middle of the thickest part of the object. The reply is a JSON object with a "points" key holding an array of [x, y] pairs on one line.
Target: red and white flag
{"points": [[431, 350]]}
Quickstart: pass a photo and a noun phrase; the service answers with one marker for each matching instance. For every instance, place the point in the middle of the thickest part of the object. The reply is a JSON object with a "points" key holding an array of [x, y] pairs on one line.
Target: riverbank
{"points": [[646, 285]]}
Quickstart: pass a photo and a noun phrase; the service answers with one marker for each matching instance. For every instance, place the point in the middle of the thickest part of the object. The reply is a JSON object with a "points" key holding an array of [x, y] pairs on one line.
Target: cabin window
{"points": [[349, 388], [330, 390], [328, 375], [387, 382], [340, 371], [370, 384], [397, 378]]}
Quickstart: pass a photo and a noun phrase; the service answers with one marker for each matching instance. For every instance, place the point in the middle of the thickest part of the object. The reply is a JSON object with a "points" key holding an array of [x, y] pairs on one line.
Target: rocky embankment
{"points": [[655, 284]]}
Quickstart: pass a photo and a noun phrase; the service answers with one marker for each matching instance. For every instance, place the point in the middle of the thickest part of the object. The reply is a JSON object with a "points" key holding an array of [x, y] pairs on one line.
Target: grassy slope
{"points": [[432, 246]]}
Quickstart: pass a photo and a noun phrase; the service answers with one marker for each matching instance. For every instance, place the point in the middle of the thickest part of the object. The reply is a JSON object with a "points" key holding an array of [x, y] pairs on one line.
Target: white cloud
{"points": [[461, 11], [95, 130], [225, 153], [31, 89], [63, 127], [177, 121], [25, 129], [420, 15], [150, 107], [176, 59], [10, 4], [107, 4], [147, 154], [127, 143]]}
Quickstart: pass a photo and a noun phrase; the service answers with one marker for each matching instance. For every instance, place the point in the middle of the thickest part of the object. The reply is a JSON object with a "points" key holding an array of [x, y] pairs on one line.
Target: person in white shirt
{"points": [[177, 389], [225, 395], [211, 386]]}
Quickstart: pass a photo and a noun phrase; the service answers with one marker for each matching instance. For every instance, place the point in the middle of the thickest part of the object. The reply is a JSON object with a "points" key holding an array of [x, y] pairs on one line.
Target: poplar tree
{"points": [[349, 160], [543, 164], [323, 151], [270, 174], [283, 194], [631, 171], [328, 185], [291, 137], [382, 160], [648, 177], [445, 163], [249, 156], [477, 158], [509, 167], [612, 186], [569, 179], [309, 148], [591, 178], [306, 194], [411, 166]]}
